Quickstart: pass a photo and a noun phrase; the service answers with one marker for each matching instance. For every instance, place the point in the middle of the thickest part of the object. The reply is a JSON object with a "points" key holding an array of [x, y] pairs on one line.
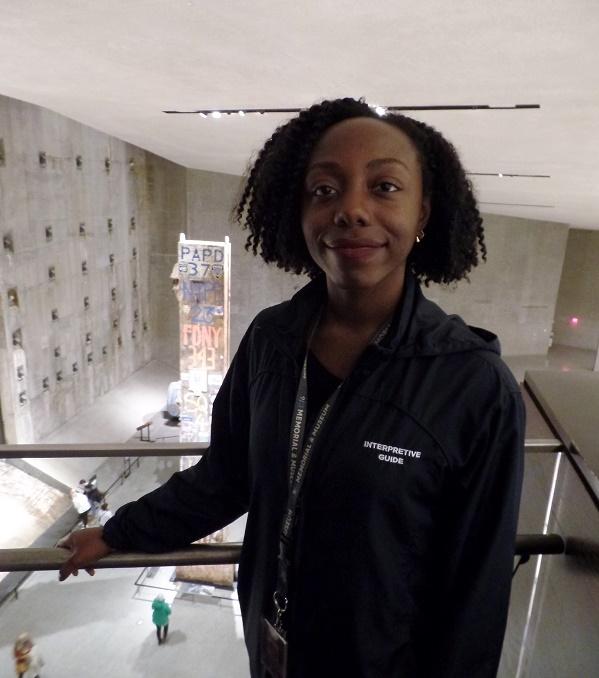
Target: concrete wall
{"points": [[82, 202], [166, 188], [514, 293], [579, 292], [72, 191]]}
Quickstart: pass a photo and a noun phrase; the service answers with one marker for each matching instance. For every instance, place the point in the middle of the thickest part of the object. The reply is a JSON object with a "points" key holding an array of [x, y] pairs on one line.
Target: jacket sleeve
{"points": [[205, 497], [469, 597]]}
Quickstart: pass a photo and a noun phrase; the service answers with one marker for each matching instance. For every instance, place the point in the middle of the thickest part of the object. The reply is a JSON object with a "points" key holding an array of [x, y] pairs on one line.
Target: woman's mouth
{"points": [[355, 248]]}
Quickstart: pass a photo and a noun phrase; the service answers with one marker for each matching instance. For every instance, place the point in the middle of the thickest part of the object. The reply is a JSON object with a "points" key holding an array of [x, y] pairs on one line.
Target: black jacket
{"points": [[405, 537]]}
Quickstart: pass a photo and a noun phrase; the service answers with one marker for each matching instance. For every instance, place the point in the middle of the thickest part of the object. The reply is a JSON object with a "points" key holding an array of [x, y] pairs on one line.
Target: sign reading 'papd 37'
{"points": [[201, 260]]}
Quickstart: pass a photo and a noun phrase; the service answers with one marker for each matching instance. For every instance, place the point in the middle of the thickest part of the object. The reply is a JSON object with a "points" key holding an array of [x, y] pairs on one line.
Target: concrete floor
{"points": [[111, 419], [101, 626]]}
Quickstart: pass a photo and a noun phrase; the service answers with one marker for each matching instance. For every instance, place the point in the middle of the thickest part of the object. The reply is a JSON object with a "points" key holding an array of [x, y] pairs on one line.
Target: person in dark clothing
{"points": [[93, 493], [375, 442]]}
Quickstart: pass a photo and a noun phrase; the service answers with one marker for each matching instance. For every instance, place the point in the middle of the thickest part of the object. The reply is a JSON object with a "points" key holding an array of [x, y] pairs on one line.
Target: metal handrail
{"points": [[33, 559], [543, 445], [130, 449], [155, 449]]}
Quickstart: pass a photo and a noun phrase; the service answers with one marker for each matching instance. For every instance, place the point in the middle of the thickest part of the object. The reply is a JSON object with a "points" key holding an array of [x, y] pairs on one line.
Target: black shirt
{"points": [[321, 385]]}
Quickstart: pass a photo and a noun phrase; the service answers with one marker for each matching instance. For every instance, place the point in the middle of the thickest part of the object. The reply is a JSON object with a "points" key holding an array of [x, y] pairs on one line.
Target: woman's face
{"points": [[363, 203]]}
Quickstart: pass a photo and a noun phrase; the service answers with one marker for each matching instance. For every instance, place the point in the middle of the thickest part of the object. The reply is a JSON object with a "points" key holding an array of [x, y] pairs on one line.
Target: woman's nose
{"points": [[352, 210]]}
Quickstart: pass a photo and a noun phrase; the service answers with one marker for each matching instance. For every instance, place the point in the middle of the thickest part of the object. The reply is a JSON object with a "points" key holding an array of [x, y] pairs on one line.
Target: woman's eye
{"points": [[323, 191], [387, 187]]}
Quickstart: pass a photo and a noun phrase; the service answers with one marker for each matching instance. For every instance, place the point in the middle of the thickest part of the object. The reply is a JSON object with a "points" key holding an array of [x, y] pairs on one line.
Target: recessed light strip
{"points": [[501, 175], [218, 113], [514, 204]]}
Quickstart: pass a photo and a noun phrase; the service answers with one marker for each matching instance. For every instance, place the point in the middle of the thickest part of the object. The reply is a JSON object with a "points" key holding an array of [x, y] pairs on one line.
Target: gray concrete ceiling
{"points": [[117, 65]]}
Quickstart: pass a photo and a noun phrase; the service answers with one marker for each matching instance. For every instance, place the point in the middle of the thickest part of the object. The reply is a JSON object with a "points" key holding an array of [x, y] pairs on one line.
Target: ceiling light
{"points": [[515, 204], [503, 175], [381, 110], [203, 115]]}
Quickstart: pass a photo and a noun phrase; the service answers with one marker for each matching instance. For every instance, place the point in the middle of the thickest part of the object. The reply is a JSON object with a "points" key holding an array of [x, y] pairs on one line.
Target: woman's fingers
{"points": [[66, 570], [67, 567], [71, 566], [86, 547]]}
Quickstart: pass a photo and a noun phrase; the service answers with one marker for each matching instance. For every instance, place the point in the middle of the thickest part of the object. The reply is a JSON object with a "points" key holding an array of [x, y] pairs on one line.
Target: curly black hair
{"points": [[270, 206]]}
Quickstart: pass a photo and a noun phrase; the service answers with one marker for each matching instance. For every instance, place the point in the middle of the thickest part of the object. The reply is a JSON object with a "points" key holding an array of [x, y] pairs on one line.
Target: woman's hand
{"points": [[87, 547]]}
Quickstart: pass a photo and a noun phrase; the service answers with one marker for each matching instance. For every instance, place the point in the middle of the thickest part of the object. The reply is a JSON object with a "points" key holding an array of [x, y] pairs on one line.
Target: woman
{"points": [[375, 442]]}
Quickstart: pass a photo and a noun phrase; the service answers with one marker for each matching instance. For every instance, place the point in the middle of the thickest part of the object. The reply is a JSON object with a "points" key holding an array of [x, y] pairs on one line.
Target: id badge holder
{"points": [[273, 650]]}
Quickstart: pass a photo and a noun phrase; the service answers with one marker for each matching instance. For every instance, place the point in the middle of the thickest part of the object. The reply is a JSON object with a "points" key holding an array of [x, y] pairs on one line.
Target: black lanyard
{"points": [[299, 460]]}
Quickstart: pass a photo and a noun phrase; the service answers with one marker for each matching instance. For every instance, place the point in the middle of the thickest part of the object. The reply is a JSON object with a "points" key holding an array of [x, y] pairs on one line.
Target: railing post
{"points": [[127, 469], [141, 428]]}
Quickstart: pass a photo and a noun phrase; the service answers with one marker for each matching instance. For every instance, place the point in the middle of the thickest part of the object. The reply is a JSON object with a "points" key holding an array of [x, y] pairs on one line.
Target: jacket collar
{"points": [[418, 328]]}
